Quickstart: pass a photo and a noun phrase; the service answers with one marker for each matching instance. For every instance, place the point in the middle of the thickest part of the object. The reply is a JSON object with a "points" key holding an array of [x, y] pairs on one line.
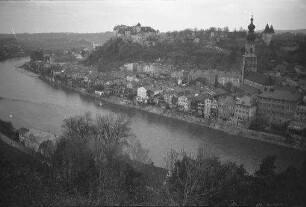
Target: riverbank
{"points": [[217, 124]]}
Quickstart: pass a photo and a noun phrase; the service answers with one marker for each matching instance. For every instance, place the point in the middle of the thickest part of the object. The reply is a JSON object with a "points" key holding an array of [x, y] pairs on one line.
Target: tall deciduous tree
{"points": [[200, 180], [111, 136]]}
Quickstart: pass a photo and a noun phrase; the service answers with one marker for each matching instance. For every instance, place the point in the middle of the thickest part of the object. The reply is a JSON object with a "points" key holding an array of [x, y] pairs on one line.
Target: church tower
{"points": [[249, 62]]}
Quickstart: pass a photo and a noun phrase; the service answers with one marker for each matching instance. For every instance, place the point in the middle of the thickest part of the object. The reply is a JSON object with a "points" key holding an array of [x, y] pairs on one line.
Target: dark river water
{"points": [[33, 103]]}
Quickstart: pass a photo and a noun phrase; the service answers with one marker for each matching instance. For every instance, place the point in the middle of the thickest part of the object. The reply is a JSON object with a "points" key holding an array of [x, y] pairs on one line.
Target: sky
{"points": [[165, 15]]}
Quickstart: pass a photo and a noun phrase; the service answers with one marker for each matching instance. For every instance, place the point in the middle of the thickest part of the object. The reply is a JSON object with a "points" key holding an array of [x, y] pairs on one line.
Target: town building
{"points": [[258, 80], [211, 107], [129, 67], [136, 34], [278, 104], [209, 76], [170, 98], [200, 103], [300, 70], [184, 102], [245, 111], [267, 35], [232, 77], [142, 95], [249, 74], [146, 93], [299, 121], [226, 107], [249, 62], [99, 93]]}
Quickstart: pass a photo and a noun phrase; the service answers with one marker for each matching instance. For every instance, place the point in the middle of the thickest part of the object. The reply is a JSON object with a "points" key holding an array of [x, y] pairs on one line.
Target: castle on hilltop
{"points": [[136, 34]]}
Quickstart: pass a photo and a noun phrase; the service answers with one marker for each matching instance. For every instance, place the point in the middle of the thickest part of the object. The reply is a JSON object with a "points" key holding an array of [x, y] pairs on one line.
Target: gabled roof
{"points": [[230, 74], [226, 99], [203, 72], [282, 93], [245, 101], [201, 97], [259, 78], [151, 88]]}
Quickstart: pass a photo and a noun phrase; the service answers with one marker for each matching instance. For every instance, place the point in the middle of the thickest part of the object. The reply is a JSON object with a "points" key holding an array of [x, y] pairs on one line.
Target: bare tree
{"points": [[137, 152], [192, 180], [73, 154], [111, 135], [78, 128]]}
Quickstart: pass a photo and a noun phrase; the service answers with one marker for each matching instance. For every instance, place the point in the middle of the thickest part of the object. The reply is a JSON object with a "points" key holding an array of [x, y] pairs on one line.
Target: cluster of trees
{"points": [[37, 55], [205, 180], [9, 48], [96, 162], [116, 52], [90, 165], [205, 35]]}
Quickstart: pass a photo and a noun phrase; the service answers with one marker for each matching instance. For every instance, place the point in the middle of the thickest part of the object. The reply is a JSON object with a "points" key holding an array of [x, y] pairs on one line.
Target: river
{"points": [[33, 103]]}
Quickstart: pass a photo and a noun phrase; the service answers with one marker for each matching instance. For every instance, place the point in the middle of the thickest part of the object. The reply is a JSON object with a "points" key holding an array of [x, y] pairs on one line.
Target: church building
{"points": [[249, 74], [249, 62]]}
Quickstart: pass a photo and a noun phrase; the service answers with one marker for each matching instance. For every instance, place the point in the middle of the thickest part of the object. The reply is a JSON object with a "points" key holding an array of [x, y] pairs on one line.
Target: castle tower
{"points": [[267, 35], [249, 62], [138, 27]]}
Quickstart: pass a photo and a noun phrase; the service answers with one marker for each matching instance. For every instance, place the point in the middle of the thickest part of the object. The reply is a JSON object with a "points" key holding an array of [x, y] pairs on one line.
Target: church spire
{"points": [[251, 27]]}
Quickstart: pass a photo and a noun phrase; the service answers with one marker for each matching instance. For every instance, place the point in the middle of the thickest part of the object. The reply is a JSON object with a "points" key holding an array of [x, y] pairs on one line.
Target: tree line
{"points": [[98, 161]]}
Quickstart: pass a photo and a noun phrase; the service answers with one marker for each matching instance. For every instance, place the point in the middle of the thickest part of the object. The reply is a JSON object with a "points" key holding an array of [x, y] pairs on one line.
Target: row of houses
{"points": [[238, 111], [280, 106]]}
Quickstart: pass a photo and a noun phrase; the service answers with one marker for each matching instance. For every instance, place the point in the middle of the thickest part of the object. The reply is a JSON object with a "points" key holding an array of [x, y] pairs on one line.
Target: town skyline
{"points": [[102, 16]]}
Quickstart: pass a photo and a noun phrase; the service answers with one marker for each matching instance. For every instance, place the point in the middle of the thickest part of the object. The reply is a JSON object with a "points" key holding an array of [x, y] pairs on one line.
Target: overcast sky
{"points": [[164, 15]]}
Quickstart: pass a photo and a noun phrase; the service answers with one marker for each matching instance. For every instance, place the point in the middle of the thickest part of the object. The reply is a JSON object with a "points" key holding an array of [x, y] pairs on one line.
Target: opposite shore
{"points": [[214, 124]]}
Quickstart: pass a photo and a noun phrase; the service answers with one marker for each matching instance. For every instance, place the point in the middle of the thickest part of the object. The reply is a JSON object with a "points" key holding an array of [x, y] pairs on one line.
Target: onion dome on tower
{"points": [[251, 27]]}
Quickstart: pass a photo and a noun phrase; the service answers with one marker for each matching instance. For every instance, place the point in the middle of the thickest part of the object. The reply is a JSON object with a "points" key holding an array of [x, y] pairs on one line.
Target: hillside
{"points": [[25, 43], [116, 52]]}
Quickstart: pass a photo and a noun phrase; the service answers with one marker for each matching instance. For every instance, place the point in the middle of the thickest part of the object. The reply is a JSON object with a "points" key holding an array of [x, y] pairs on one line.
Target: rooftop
{"points": [[231, 74], [259, 78], [282, 93], [246, 101]]}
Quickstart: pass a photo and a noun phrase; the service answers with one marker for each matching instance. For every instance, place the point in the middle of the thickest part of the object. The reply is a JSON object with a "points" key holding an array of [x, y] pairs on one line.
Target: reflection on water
{"points": [[31, 102]]}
